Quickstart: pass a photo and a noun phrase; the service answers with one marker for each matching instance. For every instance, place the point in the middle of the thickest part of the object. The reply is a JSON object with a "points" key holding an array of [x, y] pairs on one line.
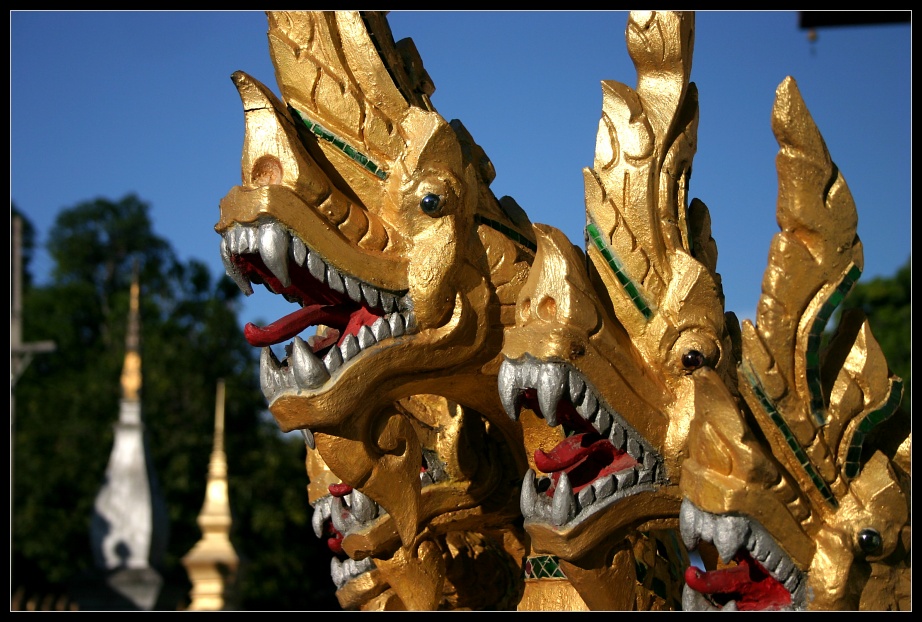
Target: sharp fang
{"points": [[309, 372], [350, 347], [337, 573], [371, 295], [381, 329], [341, 516], [529, 496], [273, 248], [366, 338], [333, 360], [268, 373], [232, 270], [363, 508], [396, 323], [388, 302], [551, 383], [308, 438], [687, 528], [509, 394], [729, 536], [577, 386], [321, 513], [353, 288], [298, 251], [563, 501], [335, 280], [316, 266]]}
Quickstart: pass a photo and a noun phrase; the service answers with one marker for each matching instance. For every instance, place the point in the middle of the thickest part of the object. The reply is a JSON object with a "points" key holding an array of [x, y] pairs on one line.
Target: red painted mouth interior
{"points": [[585, 455], [747, 583], [320, 305]]}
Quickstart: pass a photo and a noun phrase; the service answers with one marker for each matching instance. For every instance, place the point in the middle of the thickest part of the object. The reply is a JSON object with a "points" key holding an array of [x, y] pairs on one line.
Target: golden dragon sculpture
{"points": [[497, 419], [805, 495], [617, 353], [373, 214]]}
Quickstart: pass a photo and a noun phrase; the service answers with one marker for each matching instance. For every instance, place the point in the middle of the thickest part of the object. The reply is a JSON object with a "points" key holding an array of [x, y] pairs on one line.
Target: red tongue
{"points": [[585, 457], [293, 323], [747, 583]]}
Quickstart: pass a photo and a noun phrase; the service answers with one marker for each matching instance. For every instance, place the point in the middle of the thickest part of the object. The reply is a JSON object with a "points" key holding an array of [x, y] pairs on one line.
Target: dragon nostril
{"points": [[547, 309]]}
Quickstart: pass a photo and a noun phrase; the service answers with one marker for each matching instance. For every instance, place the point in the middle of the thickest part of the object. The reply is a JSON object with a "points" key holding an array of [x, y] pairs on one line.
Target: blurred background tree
{"points": [[68, 401]]}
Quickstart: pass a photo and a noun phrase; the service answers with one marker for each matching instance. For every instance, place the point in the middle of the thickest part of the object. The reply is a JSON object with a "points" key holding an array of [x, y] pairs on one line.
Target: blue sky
{"points": [[103, 104]]}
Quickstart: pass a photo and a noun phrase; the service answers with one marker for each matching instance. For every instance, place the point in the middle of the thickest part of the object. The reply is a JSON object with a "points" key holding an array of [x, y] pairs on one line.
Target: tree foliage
{"points": [[887, 301], [67, 402]]}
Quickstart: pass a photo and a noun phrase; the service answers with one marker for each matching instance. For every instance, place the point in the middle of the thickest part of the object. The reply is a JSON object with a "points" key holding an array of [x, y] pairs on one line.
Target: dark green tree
{"points": [[887, 301], [67, 402]]}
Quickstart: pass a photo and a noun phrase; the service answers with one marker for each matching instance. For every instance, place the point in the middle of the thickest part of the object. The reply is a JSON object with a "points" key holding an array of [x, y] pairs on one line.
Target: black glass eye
{"points": [[869, 541], [431, 204], [692, 360]]}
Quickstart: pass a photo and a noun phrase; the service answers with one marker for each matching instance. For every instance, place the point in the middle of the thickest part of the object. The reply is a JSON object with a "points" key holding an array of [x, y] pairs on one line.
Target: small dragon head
{"points": [[806, 495]]}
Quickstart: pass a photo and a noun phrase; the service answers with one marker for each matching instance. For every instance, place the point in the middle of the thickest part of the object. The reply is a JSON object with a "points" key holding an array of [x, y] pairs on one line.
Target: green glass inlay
{"points": [[629, 286], [512, 234], [817, 405], [852, 462], [543, 567], [789, 437], [338, 142]]}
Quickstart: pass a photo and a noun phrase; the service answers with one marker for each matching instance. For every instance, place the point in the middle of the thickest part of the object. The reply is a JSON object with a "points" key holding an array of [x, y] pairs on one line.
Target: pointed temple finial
{"points": [[212, 562], [131, 370]]}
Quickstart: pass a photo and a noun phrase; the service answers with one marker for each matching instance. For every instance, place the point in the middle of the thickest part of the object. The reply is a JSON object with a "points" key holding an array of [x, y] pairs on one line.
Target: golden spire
{"points": [[131, 370], [212, 562]]}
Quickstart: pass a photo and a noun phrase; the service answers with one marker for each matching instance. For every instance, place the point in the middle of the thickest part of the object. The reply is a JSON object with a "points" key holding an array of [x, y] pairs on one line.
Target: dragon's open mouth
{"points": [[601, 460], [356, 315], [759, 575]]}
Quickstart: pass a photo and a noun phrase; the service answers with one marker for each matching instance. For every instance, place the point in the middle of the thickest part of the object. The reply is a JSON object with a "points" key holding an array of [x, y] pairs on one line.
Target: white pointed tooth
{"points": [[366, 337], [337, 572], [577, 386], [273, 248], [509, 393], [649, 460], [562, 504], [232, 270], [388, 302], [425, 479], [321, 513], [268, 373], [308, 437], [784, 569], [758, 545], [333, 360], [363, 508], [551, 383], [298, 250], [349, 347], [341, 516], [604, 487], [528, 496], [688, 524], [316, 266], [232, 237], [309, 372], [370, 294], [353, 288], [730, 534], [335, 280], [396, 324], [381, 329]]}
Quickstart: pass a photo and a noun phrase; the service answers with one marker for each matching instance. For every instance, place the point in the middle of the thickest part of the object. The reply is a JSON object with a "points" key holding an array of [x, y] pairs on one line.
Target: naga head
{"points": [[805, 495], [373, 216], [619, 347]]}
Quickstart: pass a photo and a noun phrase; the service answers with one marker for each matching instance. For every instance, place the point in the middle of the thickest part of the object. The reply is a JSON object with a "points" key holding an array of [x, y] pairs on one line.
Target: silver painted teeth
{"points": [[276, 246], [344, 571], [729, 534], [353, 512], [553, 381]]}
